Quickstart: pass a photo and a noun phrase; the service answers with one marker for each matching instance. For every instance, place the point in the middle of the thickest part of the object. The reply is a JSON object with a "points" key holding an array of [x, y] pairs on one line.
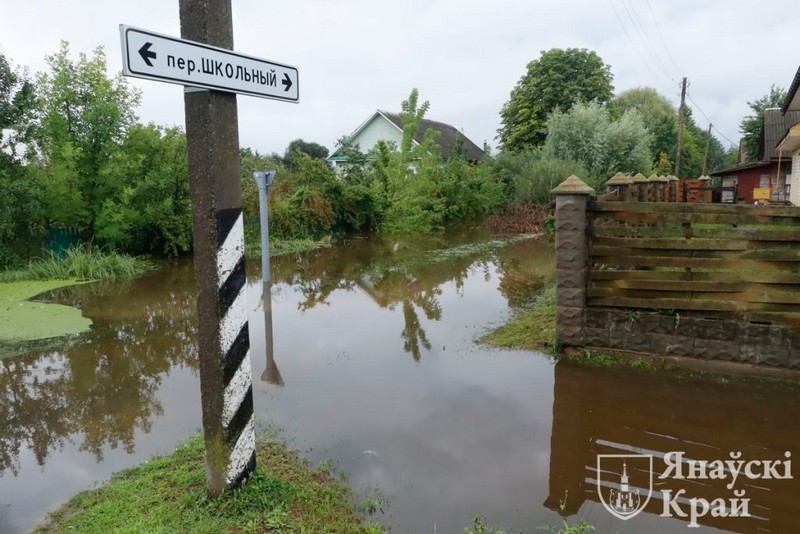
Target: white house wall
{"points": [[379, 129], [794, 190]]}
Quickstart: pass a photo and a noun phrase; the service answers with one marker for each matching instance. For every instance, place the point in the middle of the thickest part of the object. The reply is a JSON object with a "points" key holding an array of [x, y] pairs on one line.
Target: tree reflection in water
{"points": [[395, 273], [101, 387]]}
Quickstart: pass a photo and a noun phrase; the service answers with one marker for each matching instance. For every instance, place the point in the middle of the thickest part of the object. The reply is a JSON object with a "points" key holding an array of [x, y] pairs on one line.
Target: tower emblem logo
{"points": [[624, 483]]}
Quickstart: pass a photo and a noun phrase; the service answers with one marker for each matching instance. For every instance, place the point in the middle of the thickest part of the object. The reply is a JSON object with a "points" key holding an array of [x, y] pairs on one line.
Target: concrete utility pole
{"points": [[680, 129], [708, 143], [212, 134]]}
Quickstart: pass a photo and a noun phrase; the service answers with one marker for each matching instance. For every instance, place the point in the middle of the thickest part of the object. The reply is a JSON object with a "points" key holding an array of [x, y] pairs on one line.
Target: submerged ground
{"points": [[374, 367]]}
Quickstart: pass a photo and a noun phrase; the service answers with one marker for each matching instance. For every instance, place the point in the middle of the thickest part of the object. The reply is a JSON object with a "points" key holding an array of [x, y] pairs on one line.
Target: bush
{"points": [[530, 177]]}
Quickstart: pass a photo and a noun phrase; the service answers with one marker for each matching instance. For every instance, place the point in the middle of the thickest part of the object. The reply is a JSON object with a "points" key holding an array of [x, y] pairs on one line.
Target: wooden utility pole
{"points": [[708, 143], [212, 134], [680, 129]]}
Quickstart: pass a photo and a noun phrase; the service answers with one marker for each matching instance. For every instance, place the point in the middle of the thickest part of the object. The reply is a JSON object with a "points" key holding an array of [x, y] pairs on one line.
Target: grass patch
{"points": [[532, 328], [167, 494], [22, 320], [610, 359], [80, 264]]}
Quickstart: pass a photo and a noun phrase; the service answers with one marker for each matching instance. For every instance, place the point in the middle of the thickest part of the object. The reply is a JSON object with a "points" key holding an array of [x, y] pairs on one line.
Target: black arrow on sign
{"points": [[146, 54], [287, 82]]}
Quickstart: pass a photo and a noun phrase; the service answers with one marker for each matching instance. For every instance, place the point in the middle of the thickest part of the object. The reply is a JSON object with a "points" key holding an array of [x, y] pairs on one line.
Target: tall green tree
{"points": [[695, 139], [586, 134], [20, 196], [660, 120], [752, 125], [152, 213], [557, 80], [84, 116]]}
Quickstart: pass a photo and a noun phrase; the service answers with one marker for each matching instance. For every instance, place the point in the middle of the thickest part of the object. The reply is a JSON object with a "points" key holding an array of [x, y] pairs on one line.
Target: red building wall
{"points": [[749, 179]]}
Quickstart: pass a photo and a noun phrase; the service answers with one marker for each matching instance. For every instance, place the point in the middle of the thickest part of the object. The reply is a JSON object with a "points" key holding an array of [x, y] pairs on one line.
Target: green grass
{"points": [[532, 328], [167, 495], [22, 320], [80, 264]]}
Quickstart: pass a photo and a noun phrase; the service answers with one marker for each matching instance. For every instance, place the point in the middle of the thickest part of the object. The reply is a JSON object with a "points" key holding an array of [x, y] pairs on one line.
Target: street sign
{"points": [[168, 59]]}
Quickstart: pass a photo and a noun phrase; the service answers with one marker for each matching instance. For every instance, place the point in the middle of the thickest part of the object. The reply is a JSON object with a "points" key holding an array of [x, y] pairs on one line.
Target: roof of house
{"points": [[793, 99], [776, 124], [448, 135], [742, 167]]}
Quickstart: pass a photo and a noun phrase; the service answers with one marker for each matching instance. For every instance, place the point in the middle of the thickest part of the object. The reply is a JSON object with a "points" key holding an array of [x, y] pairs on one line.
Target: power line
{"points": [[661, 35], [697, 106], [637, 25], [635, 47]]}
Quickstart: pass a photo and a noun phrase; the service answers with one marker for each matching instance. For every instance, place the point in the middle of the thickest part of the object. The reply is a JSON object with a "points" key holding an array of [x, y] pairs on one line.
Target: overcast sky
{"points": [[464, 56]]}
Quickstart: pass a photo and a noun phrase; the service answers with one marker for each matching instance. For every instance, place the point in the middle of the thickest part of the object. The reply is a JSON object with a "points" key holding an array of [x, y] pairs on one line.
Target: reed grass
{"points": [[80, 264]]}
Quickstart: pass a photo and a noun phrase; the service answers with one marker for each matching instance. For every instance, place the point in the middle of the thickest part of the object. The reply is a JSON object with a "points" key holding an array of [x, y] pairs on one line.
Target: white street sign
{"points": [[159, 57]]}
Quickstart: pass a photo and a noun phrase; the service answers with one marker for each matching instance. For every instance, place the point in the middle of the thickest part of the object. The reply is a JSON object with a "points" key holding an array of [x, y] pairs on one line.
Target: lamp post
{"points": [[271, 374], [264, 180]]}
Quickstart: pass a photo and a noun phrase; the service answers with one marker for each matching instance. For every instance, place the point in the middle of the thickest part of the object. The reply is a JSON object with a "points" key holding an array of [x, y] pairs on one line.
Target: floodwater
{"points": [[375, 369]]}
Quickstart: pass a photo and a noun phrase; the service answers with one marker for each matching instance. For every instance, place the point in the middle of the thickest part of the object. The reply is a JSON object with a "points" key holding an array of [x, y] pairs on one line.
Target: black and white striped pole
{"points": [[224, 345]]}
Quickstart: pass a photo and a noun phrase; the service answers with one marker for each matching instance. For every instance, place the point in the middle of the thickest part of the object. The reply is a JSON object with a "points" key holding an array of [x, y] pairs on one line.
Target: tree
{"points": [[314, 150], [586, 134], [20, 196], [84, 116], [557, 80], [660, 120], [752, 125], [153, 211]]}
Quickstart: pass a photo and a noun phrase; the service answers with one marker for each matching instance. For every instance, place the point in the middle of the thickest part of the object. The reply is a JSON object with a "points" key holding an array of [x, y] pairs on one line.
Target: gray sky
{"points": [[464, 56]]}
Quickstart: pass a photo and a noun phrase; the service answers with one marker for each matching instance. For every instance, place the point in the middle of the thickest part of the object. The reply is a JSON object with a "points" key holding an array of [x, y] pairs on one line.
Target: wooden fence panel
{"points": [[701, 259]]}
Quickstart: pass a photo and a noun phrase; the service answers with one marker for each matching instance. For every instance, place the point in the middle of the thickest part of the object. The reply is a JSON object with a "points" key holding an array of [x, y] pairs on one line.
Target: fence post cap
{"points": [[639, 178], [572, 186], [655, 178], [619, 179], [673, 178]]}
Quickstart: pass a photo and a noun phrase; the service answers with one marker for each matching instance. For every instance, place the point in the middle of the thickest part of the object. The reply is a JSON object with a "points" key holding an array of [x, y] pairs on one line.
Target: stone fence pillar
{"points": [[673, 187], [622, 184], [572, 253], [643, 187], [661, 185]]}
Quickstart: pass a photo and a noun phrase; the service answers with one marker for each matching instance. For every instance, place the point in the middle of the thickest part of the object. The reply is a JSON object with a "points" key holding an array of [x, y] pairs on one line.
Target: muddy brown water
{"points": [[375, 369]]}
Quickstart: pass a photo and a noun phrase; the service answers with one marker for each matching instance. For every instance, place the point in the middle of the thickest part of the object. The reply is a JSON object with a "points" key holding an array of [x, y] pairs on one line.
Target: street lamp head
{"points": [[264, 178]]}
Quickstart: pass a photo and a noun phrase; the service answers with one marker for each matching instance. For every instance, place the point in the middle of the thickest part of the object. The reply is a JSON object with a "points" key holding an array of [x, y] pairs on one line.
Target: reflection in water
{"points": [[128, 389], [271, 374], [394, 273], [101, 388], [617, 411]]}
